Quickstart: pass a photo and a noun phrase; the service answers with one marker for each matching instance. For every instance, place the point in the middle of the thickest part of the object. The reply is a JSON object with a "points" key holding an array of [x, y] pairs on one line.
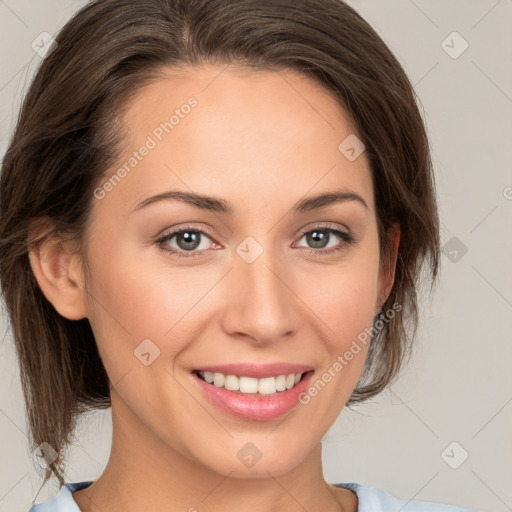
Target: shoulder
{"points": [[374, 499], [63, 501]]}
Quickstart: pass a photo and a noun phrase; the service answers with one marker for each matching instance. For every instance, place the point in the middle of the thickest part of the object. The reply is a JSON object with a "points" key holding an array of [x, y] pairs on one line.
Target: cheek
{"points": [[346, 310], [129, 303], [344, 300], [142, 294], [344, 297]]}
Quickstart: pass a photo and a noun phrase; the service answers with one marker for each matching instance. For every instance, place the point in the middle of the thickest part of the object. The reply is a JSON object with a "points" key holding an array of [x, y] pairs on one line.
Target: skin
{"points": [[262, 141]]}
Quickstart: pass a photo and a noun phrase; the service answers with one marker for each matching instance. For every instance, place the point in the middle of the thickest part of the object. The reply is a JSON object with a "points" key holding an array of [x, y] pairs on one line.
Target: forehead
{"points": [[218, 130], [286, 96]]}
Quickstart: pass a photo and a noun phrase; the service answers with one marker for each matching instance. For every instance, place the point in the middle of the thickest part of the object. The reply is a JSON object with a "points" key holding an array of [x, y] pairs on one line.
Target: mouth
{"points": [[252, 386], [253, 392]]}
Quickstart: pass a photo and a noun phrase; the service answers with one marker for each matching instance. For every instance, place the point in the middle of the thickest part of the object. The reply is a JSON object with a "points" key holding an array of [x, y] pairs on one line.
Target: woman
{"points": [[230, 205]]}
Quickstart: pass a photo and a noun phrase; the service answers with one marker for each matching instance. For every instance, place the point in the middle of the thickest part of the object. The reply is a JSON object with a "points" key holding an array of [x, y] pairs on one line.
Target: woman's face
{"points": [[242, 285]]}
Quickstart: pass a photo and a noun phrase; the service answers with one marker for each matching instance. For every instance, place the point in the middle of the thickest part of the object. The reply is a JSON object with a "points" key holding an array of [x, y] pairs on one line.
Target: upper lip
{"points": [[255, 370]]}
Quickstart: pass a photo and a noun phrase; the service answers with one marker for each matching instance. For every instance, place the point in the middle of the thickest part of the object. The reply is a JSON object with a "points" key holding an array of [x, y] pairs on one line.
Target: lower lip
{"points": [[254, 407]]}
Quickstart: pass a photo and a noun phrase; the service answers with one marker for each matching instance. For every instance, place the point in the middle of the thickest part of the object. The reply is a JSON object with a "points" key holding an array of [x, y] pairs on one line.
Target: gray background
{"points": [[458, 387]]}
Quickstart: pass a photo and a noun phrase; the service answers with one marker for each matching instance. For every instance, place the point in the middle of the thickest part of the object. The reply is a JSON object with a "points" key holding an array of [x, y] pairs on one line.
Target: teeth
{"points": [[218, 380], [251, 385], [247, 385], [281, 383]]}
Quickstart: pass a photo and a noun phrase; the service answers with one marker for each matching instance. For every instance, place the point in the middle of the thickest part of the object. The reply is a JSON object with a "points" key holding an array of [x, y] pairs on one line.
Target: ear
{"points": [[57, 266], [387, 271]]}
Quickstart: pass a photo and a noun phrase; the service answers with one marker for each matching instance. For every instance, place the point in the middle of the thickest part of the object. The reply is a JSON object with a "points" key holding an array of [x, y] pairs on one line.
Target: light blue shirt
{"points": [[371, 499]]}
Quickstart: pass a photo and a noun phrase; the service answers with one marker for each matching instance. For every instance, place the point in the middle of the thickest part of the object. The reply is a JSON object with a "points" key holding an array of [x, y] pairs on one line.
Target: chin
{"points": [[248, 461]]}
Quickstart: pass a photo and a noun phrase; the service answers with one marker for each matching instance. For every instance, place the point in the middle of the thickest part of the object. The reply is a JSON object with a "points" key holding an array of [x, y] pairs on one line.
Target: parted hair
{"points": [[67, 136]]}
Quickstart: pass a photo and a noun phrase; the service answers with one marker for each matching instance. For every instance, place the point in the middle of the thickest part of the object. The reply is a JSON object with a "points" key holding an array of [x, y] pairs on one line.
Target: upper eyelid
{"points": [[326, 226], [206, 231], [175, 231]]}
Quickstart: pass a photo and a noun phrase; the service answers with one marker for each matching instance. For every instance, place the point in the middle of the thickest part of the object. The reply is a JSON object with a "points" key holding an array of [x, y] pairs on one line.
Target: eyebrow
{"points": [[214, 204]]}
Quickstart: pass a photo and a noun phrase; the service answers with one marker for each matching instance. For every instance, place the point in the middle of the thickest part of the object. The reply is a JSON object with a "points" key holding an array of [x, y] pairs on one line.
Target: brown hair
{"points": [[67, 135]]}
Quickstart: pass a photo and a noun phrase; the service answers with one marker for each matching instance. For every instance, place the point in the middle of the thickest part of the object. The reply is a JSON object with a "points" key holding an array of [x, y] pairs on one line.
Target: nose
{"points": [[260, 302]]}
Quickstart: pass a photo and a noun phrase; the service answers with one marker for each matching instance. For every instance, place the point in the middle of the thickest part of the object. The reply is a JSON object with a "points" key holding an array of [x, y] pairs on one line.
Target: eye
{"points": [[188, 239], [320, 236], [192, 242]]}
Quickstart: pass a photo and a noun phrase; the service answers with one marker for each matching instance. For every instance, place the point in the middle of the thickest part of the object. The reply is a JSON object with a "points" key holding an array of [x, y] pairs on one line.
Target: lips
{"points": [[253, 406]]}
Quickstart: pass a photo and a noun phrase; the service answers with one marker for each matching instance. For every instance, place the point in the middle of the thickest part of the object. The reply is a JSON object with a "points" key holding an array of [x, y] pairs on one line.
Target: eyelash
{"points": [[346, 237]]}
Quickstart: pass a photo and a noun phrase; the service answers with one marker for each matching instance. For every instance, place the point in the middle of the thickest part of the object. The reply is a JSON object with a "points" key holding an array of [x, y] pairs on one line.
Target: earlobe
{"points": [[53, 262]]}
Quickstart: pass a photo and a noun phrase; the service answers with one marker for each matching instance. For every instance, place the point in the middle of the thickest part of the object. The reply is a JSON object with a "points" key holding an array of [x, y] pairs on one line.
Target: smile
{"points": [[251, 385], [253, 392]]}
